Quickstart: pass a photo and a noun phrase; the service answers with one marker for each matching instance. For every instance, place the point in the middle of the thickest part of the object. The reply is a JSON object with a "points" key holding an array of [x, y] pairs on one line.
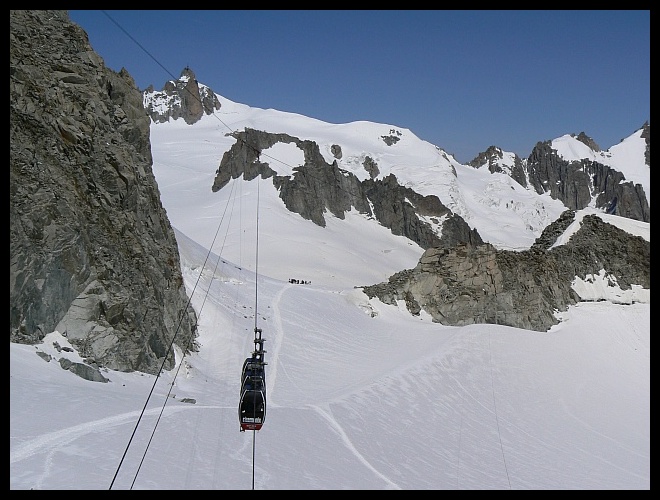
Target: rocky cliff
{"points": [[318, 186], [575, 183], [478, 284], [92, 253]]}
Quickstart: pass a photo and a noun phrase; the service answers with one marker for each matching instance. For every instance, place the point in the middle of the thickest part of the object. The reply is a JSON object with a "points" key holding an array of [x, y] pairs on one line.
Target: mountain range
{"points": [[144, 224], [390, 178]]}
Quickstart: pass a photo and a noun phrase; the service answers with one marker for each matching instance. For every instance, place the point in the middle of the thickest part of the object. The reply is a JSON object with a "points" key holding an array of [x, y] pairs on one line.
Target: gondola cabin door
{"points": [[252, 410]]}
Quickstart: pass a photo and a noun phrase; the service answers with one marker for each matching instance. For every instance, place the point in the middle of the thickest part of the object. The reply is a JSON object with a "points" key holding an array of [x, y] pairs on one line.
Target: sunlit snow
{"points": [[361, 395]]}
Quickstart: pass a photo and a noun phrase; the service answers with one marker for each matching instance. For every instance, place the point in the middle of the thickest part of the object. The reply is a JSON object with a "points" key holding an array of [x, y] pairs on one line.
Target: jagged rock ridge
{"points": [[575, 183], [318, 185]]}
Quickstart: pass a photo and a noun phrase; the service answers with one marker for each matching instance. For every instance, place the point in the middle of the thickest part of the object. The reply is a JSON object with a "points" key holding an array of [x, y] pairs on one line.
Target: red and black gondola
{"points": [[252, 405]]}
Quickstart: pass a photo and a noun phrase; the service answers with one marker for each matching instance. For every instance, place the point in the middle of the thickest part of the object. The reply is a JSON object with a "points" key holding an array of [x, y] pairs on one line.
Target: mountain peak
{"points": [[187, 73], [183, 98], [585, 139]]}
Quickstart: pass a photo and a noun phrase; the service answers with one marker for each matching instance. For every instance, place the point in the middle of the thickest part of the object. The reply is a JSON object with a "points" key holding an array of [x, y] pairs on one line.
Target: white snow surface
{"points": [[361, 395]]}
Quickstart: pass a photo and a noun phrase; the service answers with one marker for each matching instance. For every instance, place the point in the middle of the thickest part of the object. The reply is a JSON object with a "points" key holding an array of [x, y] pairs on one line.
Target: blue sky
{"points": [[462, 80]]}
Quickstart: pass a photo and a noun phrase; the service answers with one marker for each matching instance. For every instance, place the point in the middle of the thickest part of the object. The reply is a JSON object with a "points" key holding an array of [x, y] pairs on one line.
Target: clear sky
{"points": [[361, 395], [461, 80]]}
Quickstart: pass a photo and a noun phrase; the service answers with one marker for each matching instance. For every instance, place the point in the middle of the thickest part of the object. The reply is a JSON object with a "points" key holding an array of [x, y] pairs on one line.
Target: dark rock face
{"points": [[371, 167], [336, 151], [553, 231], [585, 139], [182, 98], [318, 186], [92, 253], [575, 183], [646, 135], [393, 138], [470, 284], [492, 158]]}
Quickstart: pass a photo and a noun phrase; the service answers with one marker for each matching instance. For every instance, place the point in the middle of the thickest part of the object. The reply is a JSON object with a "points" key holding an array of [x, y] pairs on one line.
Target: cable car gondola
{"points": [[252, 406]]}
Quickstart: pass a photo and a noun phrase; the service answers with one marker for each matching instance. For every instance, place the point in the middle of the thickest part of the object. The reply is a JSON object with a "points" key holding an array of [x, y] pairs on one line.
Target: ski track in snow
{"points": [[53, 441], [278, 336], [330, 419]]}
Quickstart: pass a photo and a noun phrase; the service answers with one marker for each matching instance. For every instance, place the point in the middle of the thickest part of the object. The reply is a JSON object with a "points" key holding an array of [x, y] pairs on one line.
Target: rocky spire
{"points": [[183, 98]]}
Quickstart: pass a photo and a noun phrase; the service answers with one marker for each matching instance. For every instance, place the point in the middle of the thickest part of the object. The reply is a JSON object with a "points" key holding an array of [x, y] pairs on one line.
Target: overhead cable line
{"points": [[232, 131], [258, 340], [189, 340], [169, 350], [257, 330]]}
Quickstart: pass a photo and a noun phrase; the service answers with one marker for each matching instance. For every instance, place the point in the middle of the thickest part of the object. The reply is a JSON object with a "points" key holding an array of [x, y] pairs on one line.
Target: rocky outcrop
{"points": [[576, 183], [646, 135], [183, 98], [588, 141], [402, 210], [83, 371], [469, 284], [92, 253], [492, 158], [317, 187]]}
